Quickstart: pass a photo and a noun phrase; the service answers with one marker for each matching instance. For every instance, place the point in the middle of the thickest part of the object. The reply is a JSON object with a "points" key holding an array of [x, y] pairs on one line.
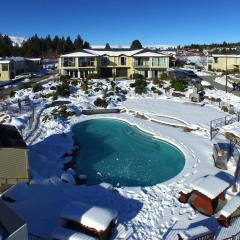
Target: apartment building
{"points": [[14, 66], [113, 63], [223, 62]]}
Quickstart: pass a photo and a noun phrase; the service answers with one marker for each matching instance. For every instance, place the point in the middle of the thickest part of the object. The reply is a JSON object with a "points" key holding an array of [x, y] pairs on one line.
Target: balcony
{"points": [[87, 64]]}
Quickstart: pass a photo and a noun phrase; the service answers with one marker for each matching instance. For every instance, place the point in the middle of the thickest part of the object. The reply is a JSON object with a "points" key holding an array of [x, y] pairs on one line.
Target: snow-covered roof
{"points": [[149, 54], [67, 234], [211, 186], [230, 207], [98, 218], [79, 54], [194, 233], [5, 61], [113, 53], [227, 55]]}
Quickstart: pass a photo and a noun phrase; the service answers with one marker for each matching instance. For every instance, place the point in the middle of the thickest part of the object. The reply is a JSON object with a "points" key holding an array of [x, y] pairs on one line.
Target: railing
{"points": [[13, 180]]}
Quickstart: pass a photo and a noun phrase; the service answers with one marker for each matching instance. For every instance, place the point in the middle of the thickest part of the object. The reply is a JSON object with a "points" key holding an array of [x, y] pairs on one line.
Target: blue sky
{"points": [[121, 21]]}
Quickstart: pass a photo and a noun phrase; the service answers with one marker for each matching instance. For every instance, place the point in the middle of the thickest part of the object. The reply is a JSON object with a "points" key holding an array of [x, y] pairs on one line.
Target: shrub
{"points": [[136, 76], [160, 84], [164, 76], [140, 86], [53, 88], [37, 88], [224, 108], [110, 94], [12, 94], [26, 86], [153, 89], [84, 86], [179, 84], [62, 111], [92, 76], [124, 92], [176, 94], [64, 78], [74, 82], [63, 89], [155, 81], [100, 103]]}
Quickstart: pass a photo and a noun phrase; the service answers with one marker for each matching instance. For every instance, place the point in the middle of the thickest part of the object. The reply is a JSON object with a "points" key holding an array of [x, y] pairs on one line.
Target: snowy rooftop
{"points": [[228, 55], [94, 217], [79, 54], [149, 54], [211, 186], [194, 233], [66, 234], [113, 53], [230, 207]]}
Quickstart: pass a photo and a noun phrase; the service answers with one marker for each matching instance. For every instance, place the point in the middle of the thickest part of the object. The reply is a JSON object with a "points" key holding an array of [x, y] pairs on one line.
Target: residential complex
{"points": [[113, 63], [224, 62], [14, 66]]}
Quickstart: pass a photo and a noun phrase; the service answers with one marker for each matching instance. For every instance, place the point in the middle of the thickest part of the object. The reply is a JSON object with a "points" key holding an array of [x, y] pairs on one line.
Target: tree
{"points": [[86, 45], [68, 45], [78, 43], [136, 44], [107, 47], [6, 47]]}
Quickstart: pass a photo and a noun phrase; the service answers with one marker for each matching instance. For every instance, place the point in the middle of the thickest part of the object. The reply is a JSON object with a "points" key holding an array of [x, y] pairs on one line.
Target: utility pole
{"points": [[226, 74]]}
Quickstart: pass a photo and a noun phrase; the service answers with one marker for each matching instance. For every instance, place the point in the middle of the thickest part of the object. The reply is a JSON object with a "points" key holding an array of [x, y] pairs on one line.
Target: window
{"points": [[86, 61], [215, 60], [105, 60], [158, 61], [68, 62], [4, 67], [123, 61]]}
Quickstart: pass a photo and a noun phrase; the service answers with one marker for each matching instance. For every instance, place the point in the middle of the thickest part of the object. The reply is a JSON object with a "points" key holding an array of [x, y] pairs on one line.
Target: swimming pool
{"points": [[115, 152]]}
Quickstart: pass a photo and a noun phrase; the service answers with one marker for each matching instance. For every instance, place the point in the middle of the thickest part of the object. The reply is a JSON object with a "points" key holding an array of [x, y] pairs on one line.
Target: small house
{"points": [[13, 157], [92, 220], [12, 227], [230, 210], [196, 233], [221, 154]]}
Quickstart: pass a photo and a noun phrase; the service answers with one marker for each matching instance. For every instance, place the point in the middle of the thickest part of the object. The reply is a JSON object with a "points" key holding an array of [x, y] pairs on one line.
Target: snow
{"points": [[230, 207], [16, 40], [205, 83], [149, 54], [61, 233], [68, 177], [94, 217], [78, 54], [194, 233], [113, 53], [211, 186]]}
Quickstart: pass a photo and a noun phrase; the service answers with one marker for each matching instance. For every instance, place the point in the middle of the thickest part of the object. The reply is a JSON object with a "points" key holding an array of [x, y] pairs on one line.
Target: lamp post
{"points": [[226, 75]]}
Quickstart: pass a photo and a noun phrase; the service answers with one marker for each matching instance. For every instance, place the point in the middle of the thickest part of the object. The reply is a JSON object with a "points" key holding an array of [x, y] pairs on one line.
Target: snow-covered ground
{"points": [[144, 212]]}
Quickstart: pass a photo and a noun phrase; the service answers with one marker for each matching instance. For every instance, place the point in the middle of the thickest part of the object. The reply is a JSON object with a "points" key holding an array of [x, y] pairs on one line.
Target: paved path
{"points": [[219, 86]]}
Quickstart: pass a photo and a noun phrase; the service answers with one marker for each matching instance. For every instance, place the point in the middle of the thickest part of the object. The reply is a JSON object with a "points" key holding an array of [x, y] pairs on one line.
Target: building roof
{"points": [[10, 137], [113, 53], [227, 55], [194, 233], [211, 186], [230, 207], [79, 54], [9, 220], [149, 54], [94, 217]]}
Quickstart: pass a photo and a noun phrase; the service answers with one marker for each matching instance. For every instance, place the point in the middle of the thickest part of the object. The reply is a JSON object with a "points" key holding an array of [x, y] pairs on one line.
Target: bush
{"points": [[74, 82], [63, 89], [100, 103], [53, 88], [179, 84], [176, 94], [155, 81], [37, 88], [224, 108], [140, 86], [153, 89], [26, 86], [124, 92], [64, 78], [164, 76], [12, 94], [62, 111], [110, 94], [136, 76], [161, 83], [84, 86], [92, 76]]}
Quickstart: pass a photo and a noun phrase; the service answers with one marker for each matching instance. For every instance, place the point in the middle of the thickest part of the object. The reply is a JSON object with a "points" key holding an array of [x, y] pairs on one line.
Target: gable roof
{"points": [[79, 54], [230, 207], [10, 137], [113, 53]]}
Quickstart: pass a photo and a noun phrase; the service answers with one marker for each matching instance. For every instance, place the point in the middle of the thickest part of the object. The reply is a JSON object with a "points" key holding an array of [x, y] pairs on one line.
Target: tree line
{"points": [[47, 47], [36, 46]]}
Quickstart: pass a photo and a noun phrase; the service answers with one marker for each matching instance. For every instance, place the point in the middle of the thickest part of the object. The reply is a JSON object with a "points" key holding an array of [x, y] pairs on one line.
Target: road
{"points": [[219, 86], [34, 81]]}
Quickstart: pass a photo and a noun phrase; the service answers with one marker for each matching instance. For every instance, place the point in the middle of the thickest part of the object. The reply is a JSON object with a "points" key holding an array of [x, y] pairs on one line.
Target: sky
{"points": [[177, 22]]}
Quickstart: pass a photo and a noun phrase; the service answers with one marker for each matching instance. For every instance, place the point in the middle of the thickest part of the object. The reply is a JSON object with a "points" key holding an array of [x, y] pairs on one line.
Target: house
{"points": [[113, 63], [196, 233], [13, 157], [12, 227], [220, 62], [14, 66], [230, 210], [207, 195], [95, 221]]}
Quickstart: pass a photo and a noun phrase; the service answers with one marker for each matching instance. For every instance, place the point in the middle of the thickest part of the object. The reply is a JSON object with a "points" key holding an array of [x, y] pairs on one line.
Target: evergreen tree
{"points": [[86, 45], [107, 47], [78, 43], [68, 45], [6, 47], [136, 44]]}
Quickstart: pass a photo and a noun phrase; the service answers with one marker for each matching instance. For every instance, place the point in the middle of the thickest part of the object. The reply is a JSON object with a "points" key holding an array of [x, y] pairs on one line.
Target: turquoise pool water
{"points": [[115, 152]]}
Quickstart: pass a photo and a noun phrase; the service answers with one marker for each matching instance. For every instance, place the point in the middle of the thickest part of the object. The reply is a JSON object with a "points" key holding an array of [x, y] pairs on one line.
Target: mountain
{"points": [[17, 40]]}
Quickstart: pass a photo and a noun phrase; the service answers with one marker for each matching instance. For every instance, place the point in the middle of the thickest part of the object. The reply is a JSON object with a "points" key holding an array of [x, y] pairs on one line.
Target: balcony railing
{"points": [[87, 64], [148, 64]]}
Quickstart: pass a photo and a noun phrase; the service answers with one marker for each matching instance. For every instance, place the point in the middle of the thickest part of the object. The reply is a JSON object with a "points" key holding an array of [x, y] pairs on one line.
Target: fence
{"points": [[99, 111], [216, 124]]}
